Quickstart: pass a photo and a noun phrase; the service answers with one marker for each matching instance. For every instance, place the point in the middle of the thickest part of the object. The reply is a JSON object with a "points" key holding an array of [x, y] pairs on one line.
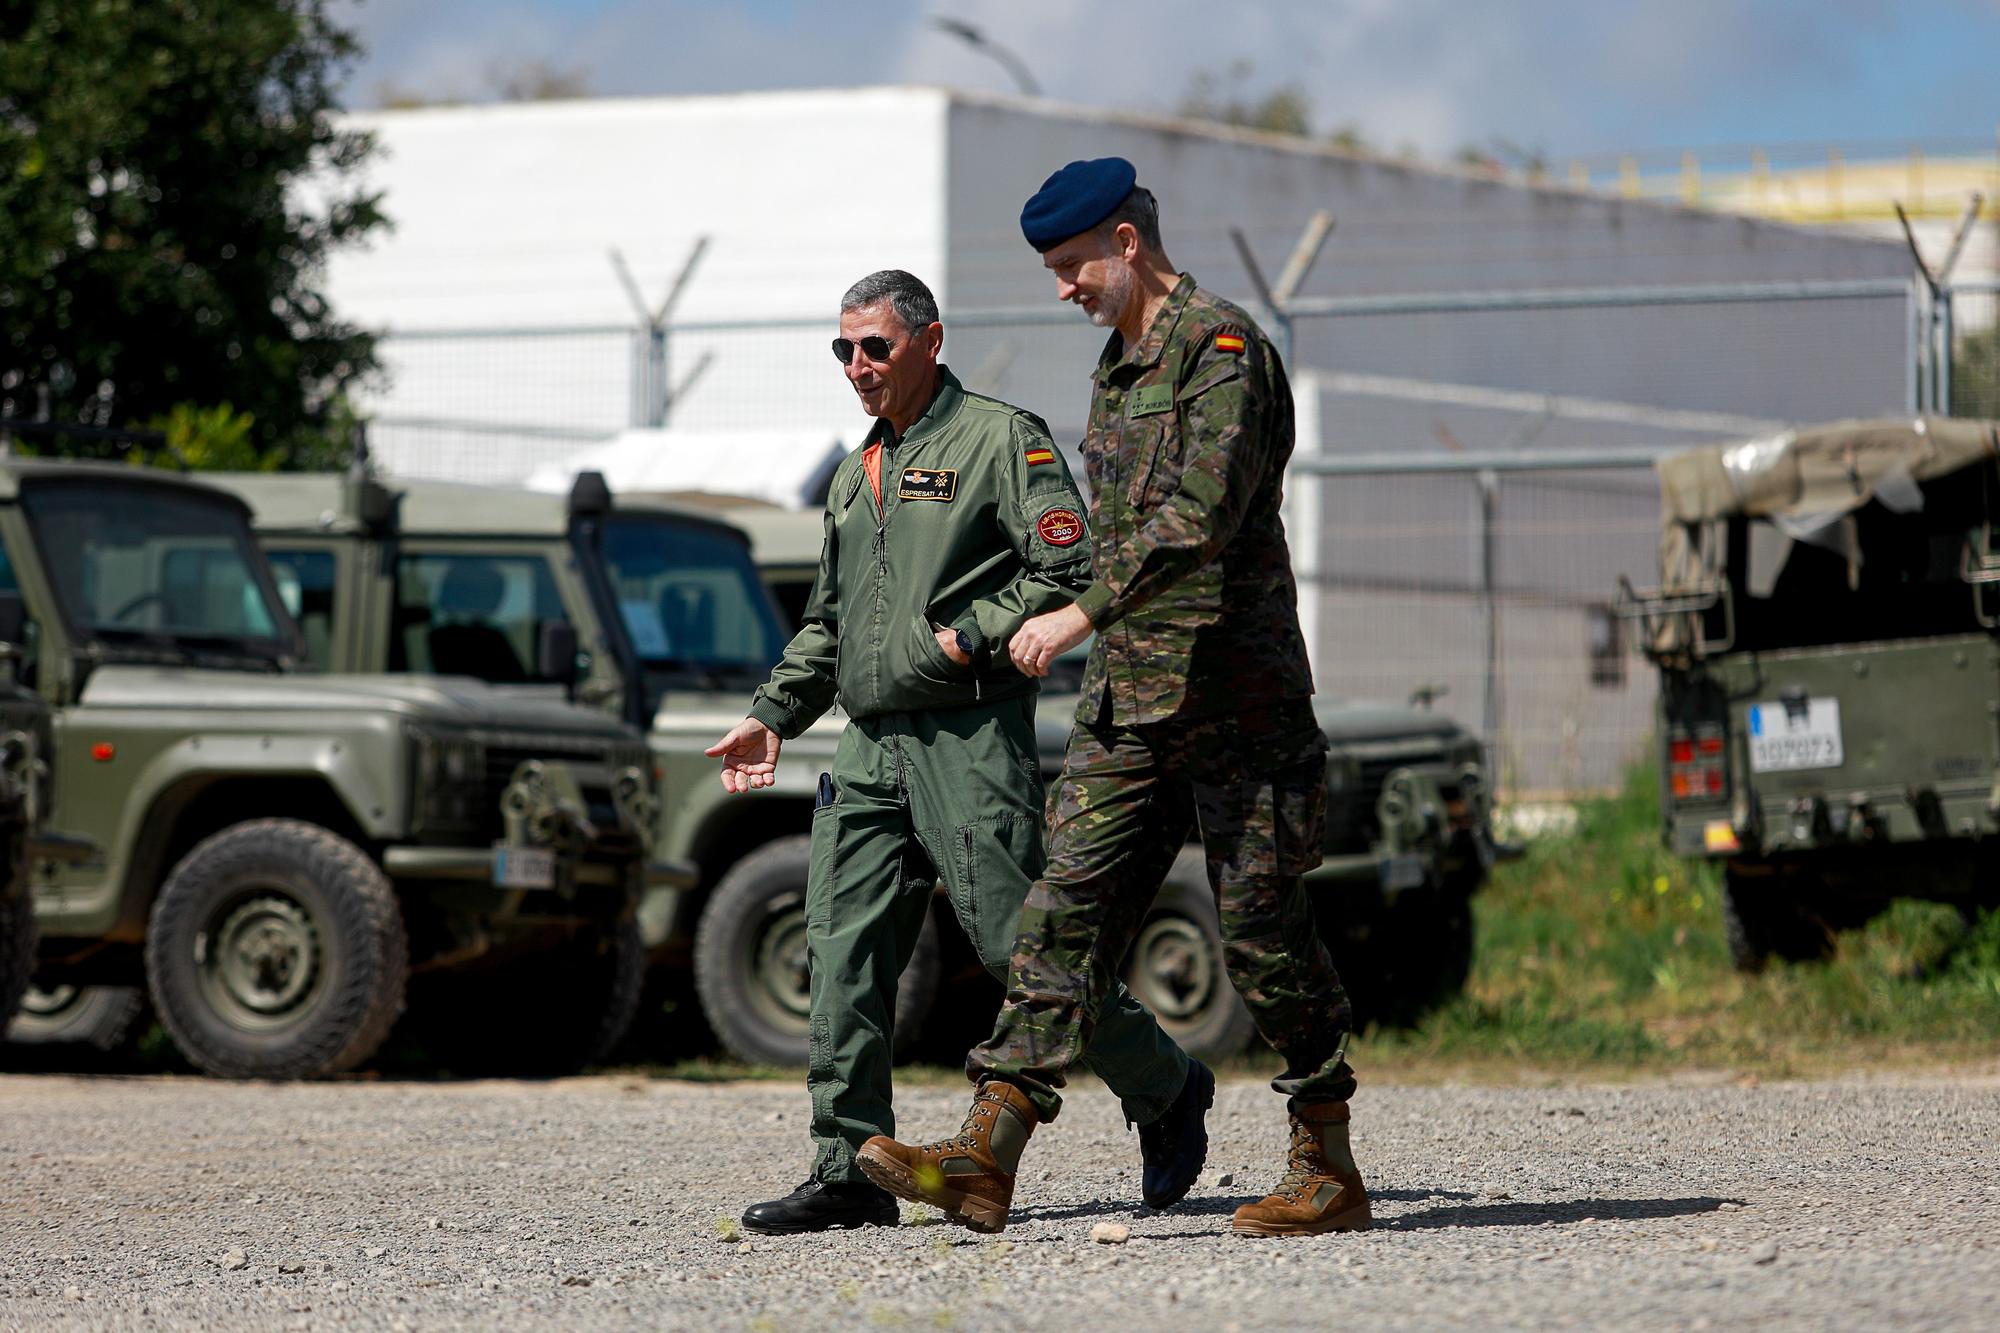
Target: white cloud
{"points": [[1565, 75]]}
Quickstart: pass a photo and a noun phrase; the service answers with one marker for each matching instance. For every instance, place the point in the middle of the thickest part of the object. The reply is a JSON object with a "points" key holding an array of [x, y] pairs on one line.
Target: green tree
{"points": [[157, 251], [1224, 98]]}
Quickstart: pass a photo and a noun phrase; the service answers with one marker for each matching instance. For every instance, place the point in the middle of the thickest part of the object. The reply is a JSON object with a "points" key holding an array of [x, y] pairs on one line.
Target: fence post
{"points": [[651, 396], [1944, 332], [1489, 604]]}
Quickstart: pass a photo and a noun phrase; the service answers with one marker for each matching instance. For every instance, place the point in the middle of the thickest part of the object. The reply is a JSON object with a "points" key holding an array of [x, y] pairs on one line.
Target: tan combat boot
{"points": [[970, 1177], [1321, 1189]]}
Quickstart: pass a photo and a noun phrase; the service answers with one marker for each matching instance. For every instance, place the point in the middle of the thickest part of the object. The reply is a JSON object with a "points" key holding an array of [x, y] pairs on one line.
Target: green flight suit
{"points": [[979, 528]]}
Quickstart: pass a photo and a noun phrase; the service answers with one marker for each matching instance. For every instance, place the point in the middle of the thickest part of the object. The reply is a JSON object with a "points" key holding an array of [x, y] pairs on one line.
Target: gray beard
{"points": [[1111, 303]]}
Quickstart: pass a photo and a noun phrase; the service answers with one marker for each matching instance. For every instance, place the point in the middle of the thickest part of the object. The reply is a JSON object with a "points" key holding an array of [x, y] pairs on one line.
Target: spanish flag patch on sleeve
{"points": [[1041, 456], [1229, 339]]}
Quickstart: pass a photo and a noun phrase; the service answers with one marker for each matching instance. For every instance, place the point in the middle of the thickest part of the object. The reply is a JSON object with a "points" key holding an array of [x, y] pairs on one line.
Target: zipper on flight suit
{"points": [[881, 564]]}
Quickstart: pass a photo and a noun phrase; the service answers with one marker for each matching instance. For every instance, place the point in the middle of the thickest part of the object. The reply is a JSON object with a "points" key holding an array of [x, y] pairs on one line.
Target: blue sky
{"points": [[1569, 78]]}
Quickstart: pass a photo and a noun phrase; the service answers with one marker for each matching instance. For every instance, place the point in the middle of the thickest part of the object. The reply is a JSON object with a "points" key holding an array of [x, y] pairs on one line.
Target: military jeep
{"points": [[1827, 634], [1408, 842], [277, 853], [672, 630]]}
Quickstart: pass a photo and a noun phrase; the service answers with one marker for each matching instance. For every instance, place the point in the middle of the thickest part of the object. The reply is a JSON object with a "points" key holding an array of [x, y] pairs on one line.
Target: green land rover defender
{"points": [[1827, 633], [1408, 841], [673, 630], [664, 597], [282, 856]]}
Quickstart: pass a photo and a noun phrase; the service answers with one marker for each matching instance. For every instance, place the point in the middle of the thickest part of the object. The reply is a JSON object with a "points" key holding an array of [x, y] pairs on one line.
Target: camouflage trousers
{"points": [[1255, 786], [951, 794]]}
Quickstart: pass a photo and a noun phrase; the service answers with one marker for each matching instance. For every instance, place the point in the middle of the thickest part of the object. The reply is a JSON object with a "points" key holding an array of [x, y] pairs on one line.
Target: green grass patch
{"points": [[1600, 950]]}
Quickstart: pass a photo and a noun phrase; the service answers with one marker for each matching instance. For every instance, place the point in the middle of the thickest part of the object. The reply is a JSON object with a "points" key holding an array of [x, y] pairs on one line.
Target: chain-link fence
{"points": [[1485, 584], [1971, 316], [1425, 572]]}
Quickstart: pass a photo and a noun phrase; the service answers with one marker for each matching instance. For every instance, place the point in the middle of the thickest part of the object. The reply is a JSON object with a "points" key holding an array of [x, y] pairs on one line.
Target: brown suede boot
{"points": [[1321, 1189], [970, 1177]]}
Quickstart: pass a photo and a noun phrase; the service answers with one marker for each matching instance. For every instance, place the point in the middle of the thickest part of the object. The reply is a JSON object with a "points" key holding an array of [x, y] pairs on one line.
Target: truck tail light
{"points": [[1696, 769]]}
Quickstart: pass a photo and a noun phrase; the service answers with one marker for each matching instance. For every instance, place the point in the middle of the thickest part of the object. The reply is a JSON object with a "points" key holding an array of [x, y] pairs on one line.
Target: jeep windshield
{"points": [[692, 603], [156, 574]]}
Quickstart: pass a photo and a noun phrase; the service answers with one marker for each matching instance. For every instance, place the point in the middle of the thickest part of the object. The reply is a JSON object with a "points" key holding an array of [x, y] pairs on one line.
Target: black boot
{"points": [[1175, 1146], [820, 1206]]}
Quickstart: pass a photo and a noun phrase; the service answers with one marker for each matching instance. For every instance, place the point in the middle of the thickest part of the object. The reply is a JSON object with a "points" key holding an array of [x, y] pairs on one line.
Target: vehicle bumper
{"points": [[482, 864]]}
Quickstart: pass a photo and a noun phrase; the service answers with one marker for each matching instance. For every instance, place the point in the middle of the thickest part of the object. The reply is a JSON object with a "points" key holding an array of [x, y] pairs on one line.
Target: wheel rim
{"points": [[49, 1003], [1174, 969], [259, 961], [780, 968]]}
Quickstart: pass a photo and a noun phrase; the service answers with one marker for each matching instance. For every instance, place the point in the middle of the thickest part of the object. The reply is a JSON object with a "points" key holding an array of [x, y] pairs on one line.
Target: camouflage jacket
{"points": [[1194, 602], [979, 528]]}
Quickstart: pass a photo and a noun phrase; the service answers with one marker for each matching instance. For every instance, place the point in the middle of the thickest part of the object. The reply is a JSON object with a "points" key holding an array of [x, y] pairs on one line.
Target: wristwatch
{"points": [[965, 646]]}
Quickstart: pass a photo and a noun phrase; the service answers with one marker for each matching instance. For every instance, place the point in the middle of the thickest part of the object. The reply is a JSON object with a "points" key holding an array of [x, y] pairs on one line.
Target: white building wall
{"points": [[504, 219]]}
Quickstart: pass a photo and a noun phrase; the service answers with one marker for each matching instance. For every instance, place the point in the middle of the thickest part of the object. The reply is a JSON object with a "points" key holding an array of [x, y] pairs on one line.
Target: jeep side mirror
{"points": [[13, 618], [555, 652]]}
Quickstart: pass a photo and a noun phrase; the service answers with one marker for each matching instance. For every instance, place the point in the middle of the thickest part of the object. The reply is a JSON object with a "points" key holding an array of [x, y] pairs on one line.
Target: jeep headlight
{"points": [[448, 779]]}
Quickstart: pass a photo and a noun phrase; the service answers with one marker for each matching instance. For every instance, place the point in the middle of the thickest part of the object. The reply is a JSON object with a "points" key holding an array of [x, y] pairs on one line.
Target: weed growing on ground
{"points": [[1600, 948]]}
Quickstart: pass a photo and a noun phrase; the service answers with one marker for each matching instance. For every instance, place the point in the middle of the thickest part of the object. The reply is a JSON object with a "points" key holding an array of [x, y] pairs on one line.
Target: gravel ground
{"points": [[177, 1202]]}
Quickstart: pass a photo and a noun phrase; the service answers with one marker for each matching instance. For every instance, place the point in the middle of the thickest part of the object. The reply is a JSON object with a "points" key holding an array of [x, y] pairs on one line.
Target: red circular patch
{"points": [[1060, 527]]}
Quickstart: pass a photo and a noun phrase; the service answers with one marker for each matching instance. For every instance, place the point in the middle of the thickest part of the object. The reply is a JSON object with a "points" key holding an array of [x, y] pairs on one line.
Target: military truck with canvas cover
{"points": [[1827, 633], [276, 852], [1408, 841], [666, 625]]}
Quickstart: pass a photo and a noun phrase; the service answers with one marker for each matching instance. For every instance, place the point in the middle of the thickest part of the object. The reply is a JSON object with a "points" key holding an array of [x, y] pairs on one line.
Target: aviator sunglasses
{"points": [[872, 347]]}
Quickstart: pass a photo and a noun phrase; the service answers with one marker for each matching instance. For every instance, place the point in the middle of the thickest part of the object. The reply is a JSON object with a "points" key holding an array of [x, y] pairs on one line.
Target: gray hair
{"points": [[905, 293], [1142, 211]]}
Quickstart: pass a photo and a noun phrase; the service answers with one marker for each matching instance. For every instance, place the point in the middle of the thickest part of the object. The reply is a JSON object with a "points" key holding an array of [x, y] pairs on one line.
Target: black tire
{"points": [[99, 1018], [602, 996], [1422, 956], [750, 967], [276, 949], [17, 951], [1177, 969], [1765, 917], [548, 1012]]}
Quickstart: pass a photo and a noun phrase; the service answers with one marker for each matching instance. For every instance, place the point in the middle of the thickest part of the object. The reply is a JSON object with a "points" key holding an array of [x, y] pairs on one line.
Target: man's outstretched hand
{"points": [[1045, 638], [749, 755]]}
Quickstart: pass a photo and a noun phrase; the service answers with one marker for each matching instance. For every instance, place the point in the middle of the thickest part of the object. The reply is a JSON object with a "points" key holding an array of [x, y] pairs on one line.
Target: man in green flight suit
{"points": [[954, 523], [1196, 712]]}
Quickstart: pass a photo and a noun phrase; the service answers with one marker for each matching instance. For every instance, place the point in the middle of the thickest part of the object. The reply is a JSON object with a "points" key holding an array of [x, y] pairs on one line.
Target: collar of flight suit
{"points": [[944, 406], [1147, 351]]}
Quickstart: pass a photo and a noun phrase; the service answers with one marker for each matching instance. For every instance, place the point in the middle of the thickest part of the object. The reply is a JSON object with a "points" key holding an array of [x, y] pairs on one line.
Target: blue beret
{"points": [[1076, 199]]}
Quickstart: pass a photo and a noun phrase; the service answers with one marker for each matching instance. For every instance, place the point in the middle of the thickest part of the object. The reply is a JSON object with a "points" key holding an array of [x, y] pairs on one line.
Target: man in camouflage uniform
{"points": [[955, 522], [1196, 713]]}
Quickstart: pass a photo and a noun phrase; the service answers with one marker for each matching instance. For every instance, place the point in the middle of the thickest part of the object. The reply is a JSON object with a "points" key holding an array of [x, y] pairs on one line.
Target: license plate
{"points": [[1402, 872], [524, 868], [1783, 739]]}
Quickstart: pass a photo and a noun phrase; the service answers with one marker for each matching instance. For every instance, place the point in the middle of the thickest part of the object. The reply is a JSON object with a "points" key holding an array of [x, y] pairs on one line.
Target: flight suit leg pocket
{"points": [[823, 866], [996, 863]]}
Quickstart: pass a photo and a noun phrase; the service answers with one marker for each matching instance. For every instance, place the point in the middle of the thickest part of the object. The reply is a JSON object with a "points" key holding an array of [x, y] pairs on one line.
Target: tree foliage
{"points": [[157, 252], [1225, 99], [505, 81]]}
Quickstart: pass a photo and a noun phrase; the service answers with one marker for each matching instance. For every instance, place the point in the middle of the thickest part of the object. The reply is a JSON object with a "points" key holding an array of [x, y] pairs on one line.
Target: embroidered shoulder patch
{"points": [[928, 483], [1060, 526], [1039, 456], [1229, 338]]}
